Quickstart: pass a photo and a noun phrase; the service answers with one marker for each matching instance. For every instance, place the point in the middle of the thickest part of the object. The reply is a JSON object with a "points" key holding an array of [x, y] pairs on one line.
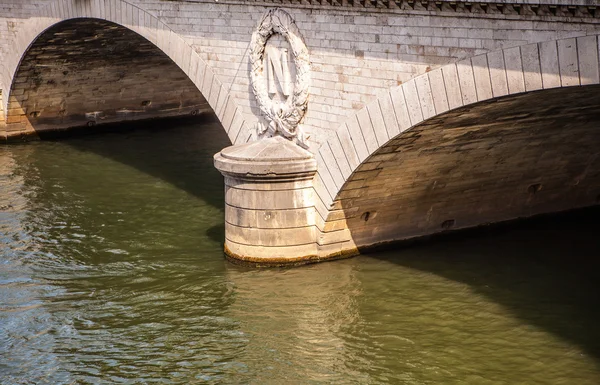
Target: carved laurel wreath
{"points": [[283, 118]]}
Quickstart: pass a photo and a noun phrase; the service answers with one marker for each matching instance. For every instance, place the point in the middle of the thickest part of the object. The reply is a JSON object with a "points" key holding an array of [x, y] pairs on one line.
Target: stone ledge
{"points": [[271, 158], [287, 262], [585, 9]]}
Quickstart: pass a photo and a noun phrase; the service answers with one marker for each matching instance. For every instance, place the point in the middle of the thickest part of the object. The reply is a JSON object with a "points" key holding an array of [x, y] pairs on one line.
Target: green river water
{"points": [[112, 271]]}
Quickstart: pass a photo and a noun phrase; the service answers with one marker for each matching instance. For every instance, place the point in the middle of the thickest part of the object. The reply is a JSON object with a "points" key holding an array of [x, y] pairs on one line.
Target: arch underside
{"points": [[493, 161], [83, 72]]}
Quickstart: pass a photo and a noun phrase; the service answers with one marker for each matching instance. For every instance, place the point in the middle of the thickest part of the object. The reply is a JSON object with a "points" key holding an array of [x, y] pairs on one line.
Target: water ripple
{"points": [[111, 272]]}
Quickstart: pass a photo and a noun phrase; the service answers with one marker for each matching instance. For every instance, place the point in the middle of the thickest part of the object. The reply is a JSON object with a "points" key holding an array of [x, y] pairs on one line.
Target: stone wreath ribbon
{"points": [[283, 117]]}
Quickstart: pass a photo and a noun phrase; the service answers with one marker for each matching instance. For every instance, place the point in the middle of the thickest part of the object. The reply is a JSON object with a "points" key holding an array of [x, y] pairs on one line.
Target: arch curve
{"points": [[506, 78], [510, 71], [148, 26]]}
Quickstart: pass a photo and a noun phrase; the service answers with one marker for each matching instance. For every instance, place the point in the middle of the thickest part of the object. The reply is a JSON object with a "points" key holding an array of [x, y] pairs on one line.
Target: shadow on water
{"points": [[182, 155], [545, 271], [217, 233]]}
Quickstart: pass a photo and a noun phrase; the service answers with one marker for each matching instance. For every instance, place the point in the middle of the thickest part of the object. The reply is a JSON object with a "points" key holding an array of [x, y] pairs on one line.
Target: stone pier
{"points": [[269, 202]]}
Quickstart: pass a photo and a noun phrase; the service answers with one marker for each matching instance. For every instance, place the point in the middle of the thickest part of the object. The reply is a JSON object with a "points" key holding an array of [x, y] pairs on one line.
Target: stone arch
{"points": [[148, 26], [523, 70]]}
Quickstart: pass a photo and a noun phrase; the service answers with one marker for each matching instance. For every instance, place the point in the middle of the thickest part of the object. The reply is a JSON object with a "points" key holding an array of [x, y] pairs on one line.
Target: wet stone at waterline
{"points": [[112, 271]]}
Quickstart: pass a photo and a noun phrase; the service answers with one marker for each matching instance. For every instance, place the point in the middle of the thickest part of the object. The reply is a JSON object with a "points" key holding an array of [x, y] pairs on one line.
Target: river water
{"points": [[112, 271]]}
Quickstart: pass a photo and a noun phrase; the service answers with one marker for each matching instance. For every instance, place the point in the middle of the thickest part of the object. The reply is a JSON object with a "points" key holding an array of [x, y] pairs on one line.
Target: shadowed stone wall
{"points": [[87, 72], [482, 164], [2, 119]]}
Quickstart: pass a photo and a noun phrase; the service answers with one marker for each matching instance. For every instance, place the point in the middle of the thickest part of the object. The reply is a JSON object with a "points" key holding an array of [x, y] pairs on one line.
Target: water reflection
{"points": [[112, 271], [295, 322]]}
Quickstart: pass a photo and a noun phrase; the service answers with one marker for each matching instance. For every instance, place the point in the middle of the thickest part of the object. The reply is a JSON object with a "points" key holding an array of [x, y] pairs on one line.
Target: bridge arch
{"points": [[521, 86], [144, 24]]}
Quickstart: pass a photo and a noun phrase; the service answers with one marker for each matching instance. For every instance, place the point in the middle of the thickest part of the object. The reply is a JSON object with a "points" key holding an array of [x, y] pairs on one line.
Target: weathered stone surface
{"points": [[274, 157], [490, 162], [91, 72], [269, 202]]}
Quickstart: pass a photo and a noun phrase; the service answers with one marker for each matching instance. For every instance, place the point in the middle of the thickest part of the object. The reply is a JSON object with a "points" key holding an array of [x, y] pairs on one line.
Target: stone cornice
{"points": [[581, 9]]}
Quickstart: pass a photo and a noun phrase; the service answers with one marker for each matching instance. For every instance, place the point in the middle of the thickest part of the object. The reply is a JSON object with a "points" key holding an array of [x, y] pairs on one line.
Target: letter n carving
{"points": [[279, 77]]}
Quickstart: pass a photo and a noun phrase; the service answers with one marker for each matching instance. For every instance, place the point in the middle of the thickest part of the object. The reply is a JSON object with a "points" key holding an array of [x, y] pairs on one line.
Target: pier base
{"points": [[269, 202]]}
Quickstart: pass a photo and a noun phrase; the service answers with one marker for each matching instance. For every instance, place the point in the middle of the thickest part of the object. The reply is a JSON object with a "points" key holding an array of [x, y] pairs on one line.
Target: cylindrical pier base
{"points": [[269, 202]]}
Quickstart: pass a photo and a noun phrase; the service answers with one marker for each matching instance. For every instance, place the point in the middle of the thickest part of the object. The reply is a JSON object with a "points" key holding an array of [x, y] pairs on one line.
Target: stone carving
{"points": [[283, 118]]}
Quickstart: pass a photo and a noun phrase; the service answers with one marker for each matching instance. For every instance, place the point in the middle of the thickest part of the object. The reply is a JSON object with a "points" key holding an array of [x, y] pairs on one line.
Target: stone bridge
{"points": [[422, 116]]}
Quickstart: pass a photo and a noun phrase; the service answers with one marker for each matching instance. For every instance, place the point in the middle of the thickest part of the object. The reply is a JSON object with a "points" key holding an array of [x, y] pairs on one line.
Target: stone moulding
{"points": [[529, 8], [270, 160], [283, 118]]}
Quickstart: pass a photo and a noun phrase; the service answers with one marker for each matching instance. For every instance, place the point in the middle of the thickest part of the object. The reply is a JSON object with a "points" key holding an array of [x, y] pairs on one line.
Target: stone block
{"points": [[275, 237], [327, 180], [335, 161], [109, 6], [234, 129], [532, 71], [230, 110], [452, 86], [345, 139], [54, 11], [466, 81], [425, 96], [568, 62], [514, 70], [498, 76], [120, 10], [280, 255], [481, 74], [127, 15], [413, 104], [367, 130], [438, 91], [377, 121], [245, 135], [339, 153], [331, 237], [587, 50], [322, 210], [389, 116], [321, 190], [200, 74], [207, 83], [357, 138], [221, 102], [400, 108], [549, 64], [162, 36], [329, 169], [98, 9], [269, 219]]}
